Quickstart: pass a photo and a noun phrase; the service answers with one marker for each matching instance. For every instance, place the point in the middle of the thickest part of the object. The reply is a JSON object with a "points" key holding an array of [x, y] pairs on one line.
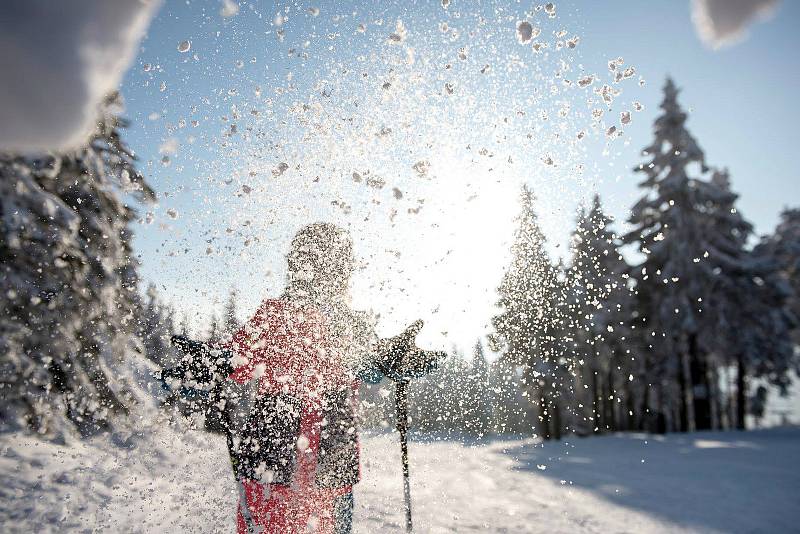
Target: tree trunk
{"points": [[544, 414], [712, 378], [700, 386], [556, 420], [596, 403], [644, 411], [610, 400], [688, 422], [682, 420], [630, 410], [741, 392]]}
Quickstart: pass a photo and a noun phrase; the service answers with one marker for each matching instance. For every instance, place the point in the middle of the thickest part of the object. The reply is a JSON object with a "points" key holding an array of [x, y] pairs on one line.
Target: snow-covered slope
{"points": [[179, 481]]}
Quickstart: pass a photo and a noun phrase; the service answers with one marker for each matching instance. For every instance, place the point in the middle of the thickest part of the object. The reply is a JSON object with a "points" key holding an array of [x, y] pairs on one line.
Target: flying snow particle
{"points": [[376, 182], [448, 88], [538, 47], [53, 83], [229, 9], [302, 443], [280, 169], [586, 81], [184, 46], [541, 467], [397, 193], [550, 9], [361, 28], [625, 117], [624, 75], [313, 11], [724, 22], [169, 146], [173, 214], [422, 167], [445, 3], [524, 32], [399, 34]]}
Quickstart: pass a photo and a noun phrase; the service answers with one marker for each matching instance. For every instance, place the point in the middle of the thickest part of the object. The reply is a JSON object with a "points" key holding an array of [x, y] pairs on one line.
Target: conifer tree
{"points": [[230, 323], [526, 330], [479, 392], [155, 329], [676, 227], [69, 282], [597, 277]]}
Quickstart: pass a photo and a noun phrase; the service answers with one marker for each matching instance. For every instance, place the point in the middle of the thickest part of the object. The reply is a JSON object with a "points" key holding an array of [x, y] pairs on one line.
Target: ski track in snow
{"points": [[180, 481]]}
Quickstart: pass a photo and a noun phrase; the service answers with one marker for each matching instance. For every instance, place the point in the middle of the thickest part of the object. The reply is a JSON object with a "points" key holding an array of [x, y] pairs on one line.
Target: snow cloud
{"points": [[58, 60], [724, 22]]}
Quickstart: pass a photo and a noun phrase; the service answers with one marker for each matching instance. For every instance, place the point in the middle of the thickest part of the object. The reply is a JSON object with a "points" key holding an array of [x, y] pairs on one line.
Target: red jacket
{"points": [[302, 433]]}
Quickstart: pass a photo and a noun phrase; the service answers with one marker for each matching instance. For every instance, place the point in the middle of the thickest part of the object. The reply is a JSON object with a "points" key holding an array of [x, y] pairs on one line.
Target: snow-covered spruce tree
{"points": [[728, 234], [784, 246], [527, 329], [230, 323], [758, 322], [213, 330], [156, 328], [600, 304], [183, 326], [69, 282], [481, 409], [511, 408], [761, 327], [676, 229]]}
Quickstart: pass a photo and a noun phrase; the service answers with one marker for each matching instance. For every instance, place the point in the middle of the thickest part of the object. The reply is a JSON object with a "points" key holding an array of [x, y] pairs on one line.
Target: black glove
{"points": [[204, 362], [400, 359]]}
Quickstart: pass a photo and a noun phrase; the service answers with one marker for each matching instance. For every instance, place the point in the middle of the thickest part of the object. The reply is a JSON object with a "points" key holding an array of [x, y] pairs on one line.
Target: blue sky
{"points": [[433, 245]]}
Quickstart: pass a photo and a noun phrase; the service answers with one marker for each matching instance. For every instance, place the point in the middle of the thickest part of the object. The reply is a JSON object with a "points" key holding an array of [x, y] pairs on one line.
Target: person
{"points": [[296, 453]]}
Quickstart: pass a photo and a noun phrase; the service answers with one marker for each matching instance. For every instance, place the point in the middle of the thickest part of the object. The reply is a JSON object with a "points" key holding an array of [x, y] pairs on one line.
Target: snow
{"points": [[724, 22], [179, 480], [52, 86]]}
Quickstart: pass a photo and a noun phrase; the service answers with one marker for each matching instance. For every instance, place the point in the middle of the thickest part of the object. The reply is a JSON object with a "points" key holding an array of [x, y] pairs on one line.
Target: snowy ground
{"points": [[179, 481]]}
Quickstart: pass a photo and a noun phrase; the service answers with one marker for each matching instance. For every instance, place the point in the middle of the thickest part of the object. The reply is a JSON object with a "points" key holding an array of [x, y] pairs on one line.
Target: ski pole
{"points": [[401, 403]]}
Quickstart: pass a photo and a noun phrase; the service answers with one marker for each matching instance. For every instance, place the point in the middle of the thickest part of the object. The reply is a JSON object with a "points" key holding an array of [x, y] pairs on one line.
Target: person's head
{"points": [[321, 261]]}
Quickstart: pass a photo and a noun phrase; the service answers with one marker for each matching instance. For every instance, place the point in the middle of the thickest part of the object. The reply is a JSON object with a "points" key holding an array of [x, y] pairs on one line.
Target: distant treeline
{"points": [[663, 327]]}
